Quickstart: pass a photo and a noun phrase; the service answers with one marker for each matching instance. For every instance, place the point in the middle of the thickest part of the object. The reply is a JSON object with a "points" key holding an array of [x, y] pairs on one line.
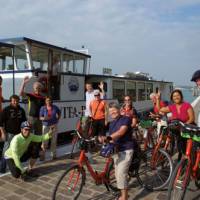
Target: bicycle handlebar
{"points": [[191, 128], [86, 140]]}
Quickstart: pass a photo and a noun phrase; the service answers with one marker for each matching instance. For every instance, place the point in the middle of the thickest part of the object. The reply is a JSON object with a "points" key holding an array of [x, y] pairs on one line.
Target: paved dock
{"points": [[41, 188]]}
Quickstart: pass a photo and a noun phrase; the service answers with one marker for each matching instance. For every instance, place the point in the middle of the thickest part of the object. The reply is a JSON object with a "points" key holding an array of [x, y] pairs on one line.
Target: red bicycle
{"points": [[189, 166], [71, 182]]}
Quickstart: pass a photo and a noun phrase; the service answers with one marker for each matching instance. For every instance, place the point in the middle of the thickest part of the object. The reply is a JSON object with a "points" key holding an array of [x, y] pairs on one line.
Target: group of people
{"points": [[125, 118], [18, 144], [26, 138]]}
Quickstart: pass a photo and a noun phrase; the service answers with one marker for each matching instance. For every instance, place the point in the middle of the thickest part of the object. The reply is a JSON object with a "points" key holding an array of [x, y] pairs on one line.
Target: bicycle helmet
{"points": [[26, 124], [195, 76], [107, 150]]}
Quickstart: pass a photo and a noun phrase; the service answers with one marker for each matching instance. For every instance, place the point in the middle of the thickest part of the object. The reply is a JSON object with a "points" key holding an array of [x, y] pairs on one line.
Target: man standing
{"points": [[196, 78], [10, 120], [36, 101], [99, 115]]}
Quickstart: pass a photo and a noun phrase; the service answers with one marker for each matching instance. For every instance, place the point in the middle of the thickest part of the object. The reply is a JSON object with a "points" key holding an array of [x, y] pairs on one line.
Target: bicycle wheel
{"points": [[155, 170], [111, 177], [70, 184], [179, 182], [197, 181]]}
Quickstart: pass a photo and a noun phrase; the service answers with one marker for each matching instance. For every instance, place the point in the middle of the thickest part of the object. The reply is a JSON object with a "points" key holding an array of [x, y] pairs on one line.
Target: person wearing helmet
{"points": [[21, 150], [196, 77]]}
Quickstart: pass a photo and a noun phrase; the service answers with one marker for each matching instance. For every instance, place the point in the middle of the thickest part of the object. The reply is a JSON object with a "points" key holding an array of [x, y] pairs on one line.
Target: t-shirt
{"points": [[155, 109], [183, 114], [89, 97], [35, 102], [129, 112], [125, 142], [19, 145], [50, 113], [97, 109], [11, 119]]}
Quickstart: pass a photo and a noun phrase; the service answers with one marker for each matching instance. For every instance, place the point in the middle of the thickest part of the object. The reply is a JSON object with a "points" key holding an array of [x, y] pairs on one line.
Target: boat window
{"points": [[72, 64], [141, 91], [79, 66], [149, 89], [6, 60], [39, 58], [118, 90], [21, 58], [131, 89]]}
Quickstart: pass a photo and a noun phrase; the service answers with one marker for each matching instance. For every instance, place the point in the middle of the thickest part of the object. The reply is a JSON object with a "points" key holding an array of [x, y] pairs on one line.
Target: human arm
{"points": [[191, 117], [41, 138], [119, 133], [164, 110], [24, 82], [101, 86], [2, 134]]}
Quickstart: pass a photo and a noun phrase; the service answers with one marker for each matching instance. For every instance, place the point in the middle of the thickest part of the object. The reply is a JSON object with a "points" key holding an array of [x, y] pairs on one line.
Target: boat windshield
{"points": [[6, 59]]}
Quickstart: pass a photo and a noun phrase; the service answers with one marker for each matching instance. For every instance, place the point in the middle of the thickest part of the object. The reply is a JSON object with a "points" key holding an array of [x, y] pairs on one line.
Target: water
{"points": [[187, 94]]}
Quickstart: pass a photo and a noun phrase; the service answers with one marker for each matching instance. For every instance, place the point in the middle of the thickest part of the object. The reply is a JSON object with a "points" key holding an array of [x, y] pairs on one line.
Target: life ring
{"points": [[43, 81]]}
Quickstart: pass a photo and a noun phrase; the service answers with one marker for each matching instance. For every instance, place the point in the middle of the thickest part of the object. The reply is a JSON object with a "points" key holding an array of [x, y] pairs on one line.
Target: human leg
{"points": [[122, 163], [54, 142]]}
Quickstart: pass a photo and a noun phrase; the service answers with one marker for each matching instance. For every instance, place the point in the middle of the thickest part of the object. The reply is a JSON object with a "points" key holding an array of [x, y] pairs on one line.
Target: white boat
{"points": [[20, 57]]}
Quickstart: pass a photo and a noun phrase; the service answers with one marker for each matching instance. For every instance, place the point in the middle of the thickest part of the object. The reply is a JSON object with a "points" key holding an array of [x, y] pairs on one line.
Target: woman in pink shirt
{"points": [[182, 111]]}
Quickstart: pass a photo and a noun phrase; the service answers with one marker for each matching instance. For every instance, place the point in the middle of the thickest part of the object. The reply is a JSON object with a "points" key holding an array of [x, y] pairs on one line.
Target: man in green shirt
{"points": [[21, 150]]}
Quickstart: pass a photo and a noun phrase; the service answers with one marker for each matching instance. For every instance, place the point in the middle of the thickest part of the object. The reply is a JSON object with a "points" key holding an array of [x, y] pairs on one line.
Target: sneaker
{"points": [[54, 157], [32, 174], [42, 156]]}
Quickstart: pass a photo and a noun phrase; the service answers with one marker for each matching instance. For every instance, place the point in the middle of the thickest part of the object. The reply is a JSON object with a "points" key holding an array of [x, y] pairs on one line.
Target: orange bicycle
{"points": [[156, 172], [71, 182], [189, 166]]}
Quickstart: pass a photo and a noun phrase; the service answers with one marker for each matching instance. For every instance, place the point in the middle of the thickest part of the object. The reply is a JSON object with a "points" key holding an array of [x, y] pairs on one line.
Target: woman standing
{"points": [[182, 111], [50, 115], [128, 110]]}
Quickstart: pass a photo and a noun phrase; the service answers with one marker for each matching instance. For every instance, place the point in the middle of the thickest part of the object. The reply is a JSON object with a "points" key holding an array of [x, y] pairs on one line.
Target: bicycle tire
{"points": [[112, 184], [154, 177], [65, 185], [175, 187]]}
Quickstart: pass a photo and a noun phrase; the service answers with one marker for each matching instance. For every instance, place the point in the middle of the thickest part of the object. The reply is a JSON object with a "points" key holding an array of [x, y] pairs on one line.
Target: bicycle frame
{"points": [[188, 154], [157, 147], [98, 177], [191, 167]]}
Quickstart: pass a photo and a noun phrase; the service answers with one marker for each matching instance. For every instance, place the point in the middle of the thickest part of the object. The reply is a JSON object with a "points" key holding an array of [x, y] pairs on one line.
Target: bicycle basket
{"points": [[107, 150], [84, 127], [146, 123], [187, 135]]}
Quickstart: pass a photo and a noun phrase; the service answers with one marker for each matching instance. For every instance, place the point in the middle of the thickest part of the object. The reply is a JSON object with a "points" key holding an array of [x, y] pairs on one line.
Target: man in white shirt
{"points": [[90, 96]]}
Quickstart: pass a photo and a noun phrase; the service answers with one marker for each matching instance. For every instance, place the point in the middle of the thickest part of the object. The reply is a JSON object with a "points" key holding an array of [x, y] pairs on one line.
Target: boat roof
{"points": [[17, 40], [6, 45], [126, 78]]}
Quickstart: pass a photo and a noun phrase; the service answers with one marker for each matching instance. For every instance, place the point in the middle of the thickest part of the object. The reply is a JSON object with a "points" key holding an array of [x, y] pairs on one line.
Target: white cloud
{"points": [[150, 35]]}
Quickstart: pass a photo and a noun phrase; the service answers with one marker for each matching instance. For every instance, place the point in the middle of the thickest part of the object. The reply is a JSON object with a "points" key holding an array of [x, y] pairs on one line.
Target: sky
{"points": [[158, 37]]}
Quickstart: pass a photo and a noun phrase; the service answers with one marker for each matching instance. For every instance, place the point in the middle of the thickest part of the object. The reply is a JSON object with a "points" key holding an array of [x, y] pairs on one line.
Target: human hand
{"points": [[26, 79], [158, 95], [101, 85]]}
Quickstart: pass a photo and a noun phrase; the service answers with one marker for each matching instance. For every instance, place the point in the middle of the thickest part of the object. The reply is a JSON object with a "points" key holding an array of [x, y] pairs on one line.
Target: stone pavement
{"points": [[41, 188]]}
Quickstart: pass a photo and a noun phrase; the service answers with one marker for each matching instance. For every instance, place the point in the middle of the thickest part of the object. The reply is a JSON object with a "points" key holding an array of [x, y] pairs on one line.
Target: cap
{"points": [[195, 76], [96, 92], [26, 124]]}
